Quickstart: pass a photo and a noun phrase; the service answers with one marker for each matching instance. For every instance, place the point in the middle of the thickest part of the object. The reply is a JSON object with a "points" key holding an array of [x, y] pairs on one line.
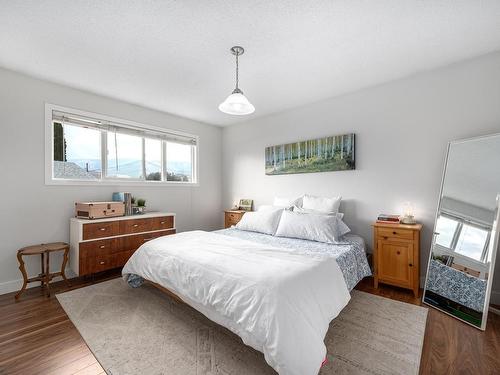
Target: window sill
{"points": [[62, 182]]}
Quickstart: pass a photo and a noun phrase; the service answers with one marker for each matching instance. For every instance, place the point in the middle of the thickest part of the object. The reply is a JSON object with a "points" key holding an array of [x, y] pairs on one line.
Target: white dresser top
{"points": [[130, 217]]}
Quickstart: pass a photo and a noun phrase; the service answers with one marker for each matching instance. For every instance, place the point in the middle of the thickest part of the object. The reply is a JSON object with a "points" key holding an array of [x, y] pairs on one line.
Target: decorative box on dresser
{"points": [[102, 244], [232, 217], [396, 255]]}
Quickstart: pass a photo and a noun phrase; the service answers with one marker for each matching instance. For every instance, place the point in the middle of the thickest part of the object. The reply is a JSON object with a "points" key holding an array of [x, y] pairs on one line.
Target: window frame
{"points": [[110, 181], [458, 230]]}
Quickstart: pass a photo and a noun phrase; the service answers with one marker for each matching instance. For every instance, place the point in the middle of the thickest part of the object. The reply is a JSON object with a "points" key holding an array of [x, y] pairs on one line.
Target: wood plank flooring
{"points": [[37, 337]]}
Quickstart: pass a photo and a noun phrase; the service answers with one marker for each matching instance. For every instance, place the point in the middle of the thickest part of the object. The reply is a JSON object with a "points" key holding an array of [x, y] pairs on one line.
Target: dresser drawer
{"points": [[395, 233], [135, 226], [132, 243], [159, 223], [100, 230], [93, 248], [103, 262]]}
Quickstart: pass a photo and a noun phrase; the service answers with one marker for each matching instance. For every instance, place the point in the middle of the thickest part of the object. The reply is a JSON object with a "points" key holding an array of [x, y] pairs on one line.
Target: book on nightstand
{"points": [[388, 219]]}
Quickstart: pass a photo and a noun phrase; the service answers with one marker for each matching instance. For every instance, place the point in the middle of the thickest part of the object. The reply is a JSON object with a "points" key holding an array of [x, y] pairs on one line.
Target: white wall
{"points": [[31, 212], [402, 129]]}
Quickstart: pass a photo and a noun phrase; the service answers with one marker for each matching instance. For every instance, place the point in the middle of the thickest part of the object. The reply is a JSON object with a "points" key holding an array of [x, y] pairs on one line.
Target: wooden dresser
{"points": [[232, 217], [396, 255], [102, 244]]}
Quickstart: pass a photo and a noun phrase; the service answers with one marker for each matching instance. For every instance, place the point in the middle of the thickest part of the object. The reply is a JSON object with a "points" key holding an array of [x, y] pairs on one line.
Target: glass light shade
{"points": [[237, 104]]}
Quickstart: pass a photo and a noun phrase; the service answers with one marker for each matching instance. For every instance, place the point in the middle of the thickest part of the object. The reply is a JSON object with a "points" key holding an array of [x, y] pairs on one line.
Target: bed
{"points": [[278, 294]]}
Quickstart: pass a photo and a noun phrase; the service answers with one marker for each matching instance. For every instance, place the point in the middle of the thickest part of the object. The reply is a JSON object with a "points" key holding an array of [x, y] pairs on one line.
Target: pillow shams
{"points": [[265, 221], [321, 204], [301, 210], [321, 228]]}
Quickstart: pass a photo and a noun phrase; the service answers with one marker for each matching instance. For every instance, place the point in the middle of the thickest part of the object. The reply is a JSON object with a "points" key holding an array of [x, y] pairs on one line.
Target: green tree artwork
{"points": [[335, 153]]}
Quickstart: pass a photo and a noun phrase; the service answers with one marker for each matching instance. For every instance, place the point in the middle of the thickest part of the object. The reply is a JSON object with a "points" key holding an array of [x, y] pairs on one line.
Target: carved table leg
{"points": [[47, 273], [63, 266], [25, 275], [42, 284]]}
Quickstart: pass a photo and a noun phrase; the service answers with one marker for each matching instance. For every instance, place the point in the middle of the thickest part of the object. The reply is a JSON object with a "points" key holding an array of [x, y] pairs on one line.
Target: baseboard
{"points": [[15, 285]]}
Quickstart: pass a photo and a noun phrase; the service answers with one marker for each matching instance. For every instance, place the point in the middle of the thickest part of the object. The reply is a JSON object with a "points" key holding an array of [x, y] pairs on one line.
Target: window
{"points": [[463, 237], [446, 227], [84, 148], [472, 241]]}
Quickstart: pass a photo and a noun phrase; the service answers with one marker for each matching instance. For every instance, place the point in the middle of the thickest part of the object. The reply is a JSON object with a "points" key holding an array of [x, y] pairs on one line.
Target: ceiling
{"points": [[174, 55]]}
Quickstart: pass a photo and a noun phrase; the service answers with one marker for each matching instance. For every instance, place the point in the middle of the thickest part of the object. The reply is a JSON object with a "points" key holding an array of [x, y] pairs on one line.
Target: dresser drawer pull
{"points": [[385, 237], [101, 262], [103, 229], [411, 265], [394, 232], [162, 222], [398, 252], [147, 239], [102, 247], [136, 225]]}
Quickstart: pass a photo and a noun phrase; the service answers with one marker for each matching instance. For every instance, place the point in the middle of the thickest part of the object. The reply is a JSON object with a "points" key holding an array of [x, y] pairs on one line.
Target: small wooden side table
{"points": [[44, 251], [396, 255], [232, 217]]}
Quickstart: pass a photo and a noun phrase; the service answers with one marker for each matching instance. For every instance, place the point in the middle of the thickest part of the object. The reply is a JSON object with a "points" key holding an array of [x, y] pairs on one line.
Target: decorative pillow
{"points": [[321, 204], [301, 210], [321, 228], [260, 221], [287, 202]]}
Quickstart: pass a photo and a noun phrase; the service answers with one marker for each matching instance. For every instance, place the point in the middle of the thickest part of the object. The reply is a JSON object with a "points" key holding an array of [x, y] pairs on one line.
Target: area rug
{"points": [[143, 331]]}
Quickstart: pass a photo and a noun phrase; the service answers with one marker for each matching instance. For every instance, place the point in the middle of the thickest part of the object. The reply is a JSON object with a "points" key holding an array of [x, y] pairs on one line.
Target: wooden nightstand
{"points": [[232, 217], [396, 255]]}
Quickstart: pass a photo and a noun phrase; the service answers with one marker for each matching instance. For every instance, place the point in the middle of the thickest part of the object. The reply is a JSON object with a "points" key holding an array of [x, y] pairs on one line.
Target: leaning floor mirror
{"points": [[464, 246]]}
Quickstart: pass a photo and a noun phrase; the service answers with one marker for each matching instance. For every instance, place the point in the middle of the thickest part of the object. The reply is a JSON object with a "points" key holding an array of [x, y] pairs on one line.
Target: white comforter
{"points": [[278, 302]]}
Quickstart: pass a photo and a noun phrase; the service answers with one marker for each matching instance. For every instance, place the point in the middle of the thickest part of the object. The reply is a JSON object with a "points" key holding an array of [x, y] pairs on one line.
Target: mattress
{"points": [[350, 254]]}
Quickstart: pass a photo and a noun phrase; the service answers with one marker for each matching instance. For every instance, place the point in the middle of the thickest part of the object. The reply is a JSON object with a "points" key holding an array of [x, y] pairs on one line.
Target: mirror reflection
{"points": [[464, 244]]}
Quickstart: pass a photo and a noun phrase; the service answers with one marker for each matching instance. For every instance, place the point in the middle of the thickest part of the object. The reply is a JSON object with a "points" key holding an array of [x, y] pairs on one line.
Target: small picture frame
{"points": [[246, 204]]}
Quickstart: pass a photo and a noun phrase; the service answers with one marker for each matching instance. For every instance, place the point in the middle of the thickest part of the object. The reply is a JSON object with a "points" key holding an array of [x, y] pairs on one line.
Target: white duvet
{"points": [[278, 302]]}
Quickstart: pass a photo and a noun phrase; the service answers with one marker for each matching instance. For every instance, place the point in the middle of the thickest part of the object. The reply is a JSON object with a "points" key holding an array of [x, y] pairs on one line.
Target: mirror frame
{"points": [[492, 246]]}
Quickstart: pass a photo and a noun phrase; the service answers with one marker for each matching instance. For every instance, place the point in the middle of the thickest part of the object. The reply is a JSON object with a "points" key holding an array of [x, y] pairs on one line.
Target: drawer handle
{"points": [[102, 247], [101, 262], [136, 225], [394, 232], [398, 252], [103, 229], [162, 222], [147, 239], [385, 237], [411, 265]]}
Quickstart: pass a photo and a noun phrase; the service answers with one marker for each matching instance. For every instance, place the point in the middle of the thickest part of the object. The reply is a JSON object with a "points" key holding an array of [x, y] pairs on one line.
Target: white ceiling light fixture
{"points": [[237, 103]]}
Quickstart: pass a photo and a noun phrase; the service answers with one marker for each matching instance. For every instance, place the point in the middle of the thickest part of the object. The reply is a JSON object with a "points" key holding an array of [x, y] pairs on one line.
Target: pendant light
{"points": [[237, 103]]}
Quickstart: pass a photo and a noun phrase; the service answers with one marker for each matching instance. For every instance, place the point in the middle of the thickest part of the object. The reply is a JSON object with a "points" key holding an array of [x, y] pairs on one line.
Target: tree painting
{"points": [[334, 153]]}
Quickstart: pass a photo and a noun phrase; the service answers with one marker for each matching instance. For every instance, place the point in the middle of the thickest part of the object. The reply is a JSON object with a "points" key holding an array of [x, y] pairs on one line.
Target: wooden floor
{"points": [[36, 337]]}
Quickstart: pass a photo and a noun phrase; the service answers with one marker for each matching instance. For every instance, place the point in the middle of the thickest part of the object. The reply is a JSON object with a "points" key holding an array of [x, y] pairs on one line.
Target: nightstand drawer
{"points": [[395, 233], [232, 218]]}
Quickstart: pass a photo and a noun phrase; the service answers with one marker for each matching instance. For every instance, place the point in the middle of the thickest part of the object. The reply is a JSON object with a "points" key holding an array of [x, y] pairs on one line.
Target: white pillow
{"points": [[321, 204], [260, 221], [287, 202], [268, 207], [301, 210], [321, 228]]}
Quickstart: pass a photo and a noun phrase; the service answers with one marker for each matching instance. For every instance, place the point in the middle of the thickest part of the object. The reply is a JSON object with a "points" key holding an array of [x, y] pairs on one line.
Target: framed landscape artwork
{"points": [[326, 154]]}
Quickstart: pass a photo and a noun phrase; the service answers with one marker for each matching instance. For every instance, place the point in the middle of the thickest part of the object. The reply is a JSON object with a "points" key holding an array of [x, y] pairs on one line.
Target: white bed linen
{"points": [[278, 302]]}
